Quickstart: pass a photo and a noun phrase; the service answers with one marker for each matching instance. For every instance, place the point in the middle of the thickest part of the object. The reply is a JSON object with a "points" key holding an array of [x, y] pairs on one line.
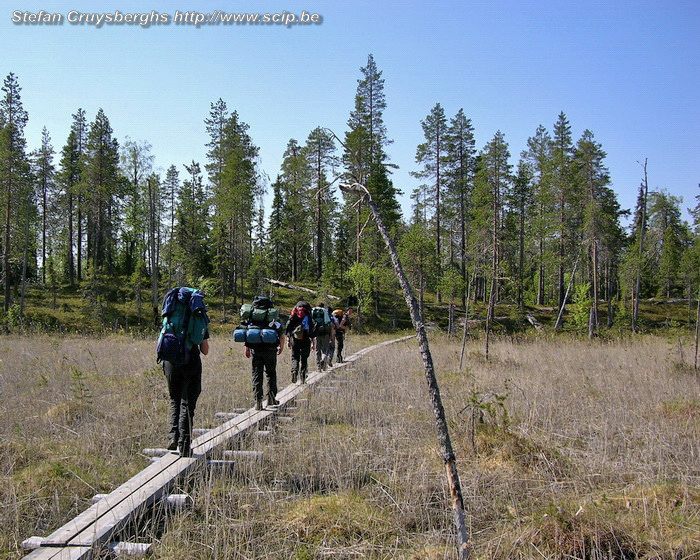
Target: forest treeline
{"points": [[95, 216]]}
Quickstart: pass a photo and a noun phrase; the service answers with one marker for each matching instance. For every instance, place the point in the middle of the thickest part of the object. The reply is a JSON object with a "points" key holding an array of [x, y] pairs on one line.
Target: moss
{"points": [[336, 520]]}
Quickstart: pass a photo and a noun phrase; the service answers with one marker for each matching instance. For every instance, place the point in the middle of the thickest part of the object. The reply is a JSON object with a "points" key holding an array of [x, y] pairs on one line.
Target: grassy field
{"points": [[567, 449]]}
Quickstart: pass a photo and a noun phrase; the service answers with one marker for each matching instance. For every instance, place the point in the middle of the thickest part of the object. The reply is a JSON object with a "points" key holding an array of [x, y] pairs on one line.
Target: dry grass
{"points": [[566, 449]]}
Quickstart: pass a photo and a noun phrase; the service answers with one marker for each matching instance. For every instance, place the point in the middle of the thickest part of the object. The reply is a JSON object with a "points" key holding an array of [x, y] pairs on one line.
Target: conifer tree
{"points": [[101, 186], [191, 249], [592, 178], [45, 174], [431, 155], [364, 152], [539, 158], [322, 161], [562, 152], [68, 178], [235, 183], [460, 168], [170, 189], [494, 179], [295, 178], [522, 203], [14, 171]]}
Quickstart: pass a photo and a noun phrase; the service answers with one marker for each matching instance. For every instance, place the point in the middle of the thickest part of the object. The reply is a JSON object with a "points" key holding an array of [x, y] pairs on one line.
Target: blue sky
{"points": [[627, 70]]}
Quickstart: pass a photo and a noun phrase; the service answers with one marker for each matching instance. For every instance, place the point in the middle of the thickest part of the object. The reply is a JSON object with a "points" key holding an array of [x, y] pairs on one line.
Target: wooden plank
{"points": [[62, 553], [146, 495], [62, 535]]}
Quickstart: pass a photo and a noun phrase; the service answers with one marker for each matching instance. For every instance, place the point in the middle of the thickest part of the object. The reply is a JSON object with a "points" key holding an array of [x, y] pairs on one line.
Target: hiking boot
{"points": [[172, 446], [321, 366], [294, 377], [258, 404], [272, 401], [184, 449]]}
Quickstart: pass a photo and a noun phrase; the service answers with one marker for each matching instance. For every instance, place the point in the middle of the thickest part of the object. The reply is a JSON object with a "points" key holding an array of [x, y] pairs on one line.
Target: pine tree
{"points": [[522, 204], [539, 158], [170, 189], [45, 174], [592, 178], [14, 171], [68, 178], [494, 176], [460, 169], [101, 186], [191, 250], [365, 140], [235, 183], [431, 155], [562, 153], [320, 154], [295, 178]]}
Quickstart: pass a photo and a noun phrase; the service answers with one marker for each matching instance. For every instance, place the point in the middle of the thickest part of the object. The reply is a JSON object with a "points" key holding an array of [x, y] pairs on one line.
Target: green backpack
{"points": [[321, 326], [260, 312], [182, 327]]}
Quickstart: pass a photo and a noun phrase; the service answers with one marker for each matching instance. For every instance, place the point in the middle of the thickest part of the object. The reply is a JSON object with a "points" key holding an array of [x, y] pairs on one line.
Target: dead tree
{"points": [[644, 189], [557, 325], [448, 455]]}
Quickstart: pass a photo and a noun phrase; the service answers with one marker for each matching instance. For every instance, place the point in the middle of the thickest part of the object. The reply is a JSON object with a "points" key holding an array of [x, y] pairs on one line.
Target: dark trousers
{"points": [[323, 355], [184, 388], [339, 342], [300, 357], [264, 360]]}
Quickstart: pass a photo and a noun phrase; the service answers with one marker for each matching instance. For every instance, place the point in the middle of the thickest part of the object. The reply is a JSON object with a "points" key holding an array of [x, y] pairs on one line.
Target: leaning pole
{"points": [[447, 452]]}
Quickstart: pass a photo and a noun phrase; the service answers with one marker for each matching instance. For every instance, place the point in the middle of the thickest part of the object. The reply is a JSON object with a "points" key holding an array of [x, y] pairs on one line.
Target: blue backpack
{"points": [[185, 323]]}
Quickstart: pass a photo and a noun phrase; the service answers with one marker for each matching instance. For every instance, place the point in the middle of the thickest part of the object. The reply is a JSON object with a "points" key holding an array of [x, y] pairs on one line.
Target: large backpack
{"points": [[258, 323], [301, 321], [185, 323], [321, 320]]}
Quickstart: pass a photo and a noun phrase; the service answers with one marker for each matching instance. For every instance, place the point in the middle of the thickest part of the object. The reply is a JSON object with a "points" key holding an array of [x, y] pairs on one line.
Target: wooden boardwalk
{"points": [[94, 529]]}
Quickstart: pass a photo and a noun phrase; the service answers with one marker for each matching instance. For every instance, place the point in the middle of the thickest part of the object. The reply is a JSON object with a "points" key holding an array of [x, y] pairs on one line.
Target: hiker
{"points": [[343, 325], [183, 338], [264, 341], [299, 338], [324, 329]]}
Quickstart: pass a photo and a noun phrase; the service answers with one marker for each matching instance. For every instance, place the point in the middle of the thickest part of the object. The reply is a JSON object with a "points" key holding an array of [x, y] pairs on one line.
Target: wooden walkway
{"points": [[93, 530]]}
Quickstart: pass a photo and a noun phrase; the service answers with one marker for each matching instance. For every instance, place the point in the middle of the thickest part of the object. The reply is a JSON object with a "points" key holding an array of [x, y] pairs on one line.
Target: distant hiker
{"points": [[343, 325], [324, 329], [300, 339], [261, 331], [183, 337]]}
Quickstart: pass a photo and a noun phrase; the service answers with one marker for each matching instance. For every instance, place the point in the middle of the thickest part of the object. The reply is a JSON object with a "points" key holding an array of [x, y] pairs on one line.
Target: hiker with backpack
{"points": [[324, 329], [300, 339], [342, 326], [262, 333], [184, 336]]}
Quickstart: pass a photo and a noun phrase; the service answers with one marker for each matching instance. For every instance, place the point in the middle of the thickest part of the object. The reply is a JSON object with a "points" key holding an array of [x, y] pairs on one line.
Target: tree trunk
{"points": [[152, 243], [697, 332], [642, 228], [25, 259], [558, 324], [466, 324], [433, 388], [79, 240]]}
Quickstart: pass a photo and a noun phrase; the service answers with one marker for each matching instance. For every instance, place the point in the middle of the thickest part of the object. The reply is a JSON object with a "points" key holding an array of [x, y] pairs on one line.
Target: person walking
{"points": [[264, 342], [324, 329], [299, 339], [342, 327], [184, 338]]}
